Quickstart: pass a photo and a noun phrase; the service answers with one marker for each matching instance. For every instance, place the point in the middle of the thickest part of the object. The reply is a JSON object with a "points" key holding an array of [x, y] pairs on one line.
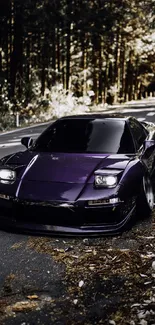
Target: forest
{"points": [[101, 50]]}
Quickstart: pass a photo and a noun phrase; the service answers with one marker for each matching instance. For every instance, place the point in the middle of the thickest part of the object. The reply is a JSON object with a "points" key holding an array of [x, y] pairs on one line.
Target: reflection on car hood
{"points": [[58, 177], [65, 167]]}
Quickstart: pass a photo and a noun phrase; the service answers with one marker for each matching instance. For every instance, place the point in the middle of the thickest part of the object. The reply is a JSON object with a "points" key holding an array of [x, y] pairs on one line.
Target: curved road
{"points": [[11, 141]]}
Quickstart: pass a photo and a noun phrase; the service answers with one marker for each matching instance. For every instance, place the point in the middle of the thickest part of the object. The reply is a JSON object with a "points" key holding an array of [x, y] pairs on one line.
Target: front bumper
{"points": [[65, 219]]}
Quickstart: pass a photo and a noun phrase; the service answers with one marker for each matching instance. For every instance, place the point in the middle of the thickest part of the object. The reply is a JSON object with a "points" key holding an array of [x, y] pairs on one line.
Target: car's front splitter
{"points": [[80, 226]]}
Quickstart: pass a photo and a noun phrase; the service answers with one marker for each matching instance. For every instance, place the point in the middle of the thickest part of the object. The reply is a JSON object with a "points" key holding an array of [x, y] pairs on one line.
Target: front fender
{"points": [[131, 180]]}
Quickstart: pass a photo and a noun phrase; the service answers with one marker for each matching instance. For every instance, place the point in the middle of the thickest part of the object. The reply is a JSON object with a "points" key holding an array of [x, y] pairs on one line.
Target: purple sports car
{"points": [[86, 174]]}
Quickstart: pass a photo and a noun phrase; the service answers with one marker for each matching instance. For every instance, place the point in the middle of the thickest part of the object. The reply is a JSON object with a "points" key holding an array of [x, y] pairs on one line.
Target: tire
{"points": [[145, 201]]}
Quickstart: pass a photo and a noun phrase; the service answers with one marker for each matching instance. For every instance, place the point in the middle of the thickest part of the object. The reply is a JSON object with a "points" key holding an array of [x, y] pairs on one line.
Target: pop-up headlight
{"points": [[7, 176], [106, 181], [106, 178]]}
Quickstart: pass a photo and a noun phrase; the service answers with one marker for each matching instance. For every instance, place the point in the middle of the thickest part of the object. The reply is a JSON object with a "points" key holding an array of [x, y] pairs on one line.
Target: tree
{"points": [[104, 46]]}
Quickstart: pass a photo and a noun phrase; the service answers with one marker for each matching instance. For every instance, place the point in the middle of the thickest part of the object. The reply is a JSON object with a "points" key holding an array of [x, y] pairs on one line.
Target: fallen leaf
{"points": [[24, 306], [32, 297], [75, 301], [81, 283], [153, 265]]}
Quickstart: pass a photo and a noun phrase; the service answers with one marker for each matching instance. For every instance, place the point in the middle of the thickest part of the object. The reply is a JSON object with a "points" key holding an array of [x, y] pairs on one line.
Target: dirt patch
{"points": [[107, 280]]}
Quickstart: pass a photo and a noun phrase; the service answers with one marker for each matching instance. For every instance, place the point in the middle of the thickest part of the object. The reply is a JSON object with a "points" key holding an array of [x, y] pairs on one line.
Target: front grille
{"points": [[65, 216]]}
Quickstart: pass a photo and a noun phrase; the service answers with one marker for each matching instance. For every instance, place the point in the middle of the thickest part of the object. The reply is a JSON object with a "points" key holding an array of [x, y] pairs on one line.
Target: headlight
{"points": [[7, 176], [105, 180]]}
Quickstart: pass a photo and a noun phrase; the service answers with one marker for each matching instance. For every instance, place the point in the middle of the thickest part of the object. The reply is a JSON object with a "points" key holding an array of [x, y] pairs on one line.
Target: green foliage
{"points": [[7, 121], [104, 46]]}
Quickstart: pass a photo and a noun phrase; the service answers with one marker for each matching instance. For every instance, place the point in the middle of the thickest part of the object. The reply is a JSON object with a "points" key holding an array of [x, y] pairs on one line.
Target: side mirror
{"points": [[27, 142]]}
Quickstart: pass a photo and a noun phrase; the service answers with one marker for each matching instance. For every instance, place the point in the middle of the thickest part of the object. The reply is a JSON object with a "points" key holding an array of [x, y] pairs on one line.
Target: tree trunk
{"points": [[16, 62], [68, 55], [123, 70]]}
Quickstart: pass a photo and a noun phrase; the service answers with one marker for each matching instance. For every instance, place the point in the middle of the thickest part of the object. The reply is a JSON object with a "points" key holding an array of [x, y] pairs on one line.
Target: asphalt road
{"points": [[41, 281], [11, 141]]}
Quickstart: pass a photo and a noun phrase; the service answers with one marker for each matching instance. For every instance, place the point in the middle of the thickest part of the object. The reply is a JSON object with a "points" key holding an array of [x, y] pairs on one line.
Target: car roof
{"points": [[115, 116]]}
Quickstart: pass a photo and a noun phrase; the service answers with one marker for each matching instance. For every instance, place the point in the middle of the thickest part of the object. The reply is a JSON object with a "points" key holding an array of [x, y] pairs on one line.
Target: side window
{"points": [[138, 132], [126, 143]]}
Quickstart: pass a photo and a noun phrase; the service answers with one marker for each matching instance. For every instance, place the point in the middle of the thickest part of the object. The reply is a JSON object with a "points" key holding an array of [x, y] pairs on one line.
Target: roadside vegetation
{"points": [[62, 57]]}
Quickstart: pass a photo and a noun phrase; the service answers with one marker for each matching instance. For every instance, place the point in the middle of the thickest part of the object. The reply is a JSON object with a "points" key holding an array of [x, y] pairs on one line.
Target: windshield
{"points": [[87, 135]]}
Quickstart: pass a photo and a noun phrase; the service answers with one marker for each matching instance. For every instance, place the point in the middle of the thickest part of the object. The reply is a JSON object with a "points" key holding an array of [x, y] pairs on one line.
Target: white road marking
{"points": [[125, 110], [151, 114], [141, 119], [29, 135], [4, 145], [34, 135], [14, 140], [26, 128]]}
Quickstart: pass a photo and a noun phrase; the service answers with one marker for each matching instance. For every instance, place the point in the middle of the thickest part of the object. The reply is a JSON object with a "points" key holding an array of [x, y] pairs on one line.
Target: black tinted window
{"points": [[86, 136], [139, 133]]}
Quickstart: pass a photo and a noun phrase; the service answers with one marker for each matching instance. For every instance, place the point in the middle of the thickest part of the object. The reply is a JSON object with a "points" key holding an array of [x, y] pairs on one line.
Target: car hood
{"points": [[59, 177], [64, 167]]}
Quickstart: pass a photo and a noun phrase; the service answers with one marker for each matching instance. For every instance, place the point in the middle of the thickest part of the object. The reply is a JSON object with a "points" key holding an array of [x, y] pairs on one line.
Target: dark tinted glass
{"points": [[139, 133], [86, 136]]}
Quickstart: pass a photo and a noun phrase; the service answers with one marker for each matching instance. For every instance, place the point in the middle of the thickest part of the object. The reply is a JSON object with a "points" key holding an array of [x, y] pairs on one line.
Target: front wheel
{"points": [[145, 201]]}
